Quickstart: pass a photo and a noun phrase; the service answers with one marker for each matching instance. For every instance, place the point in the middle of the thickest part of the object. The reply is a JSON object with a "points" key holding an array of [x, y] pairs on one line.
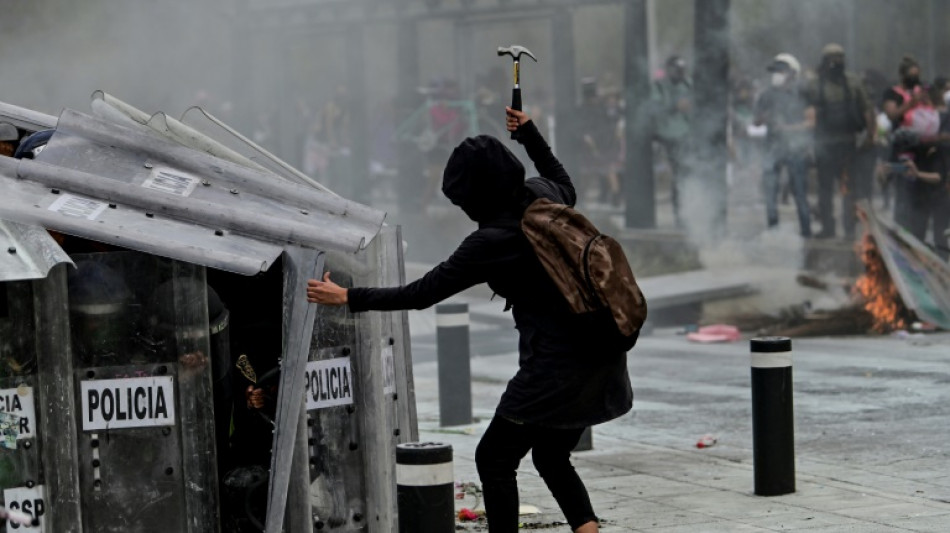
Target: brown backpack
{"points": [[588, 267]]}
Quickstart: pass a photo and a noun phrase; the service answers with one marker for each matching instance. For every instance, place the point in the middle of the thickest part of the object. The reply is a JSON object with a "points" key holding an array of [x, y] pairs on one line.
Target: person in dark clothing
{"points": [[673, 124], [908, 105], [566, 380], [922, 188], [783, 110], [841, 112]]}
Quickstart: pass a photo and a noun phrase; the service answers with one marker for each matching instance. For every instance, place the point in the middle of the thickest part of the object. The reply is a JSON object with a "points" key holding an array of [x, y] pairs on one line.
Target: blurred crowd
{"points": [[821, 139], [846, 137]]}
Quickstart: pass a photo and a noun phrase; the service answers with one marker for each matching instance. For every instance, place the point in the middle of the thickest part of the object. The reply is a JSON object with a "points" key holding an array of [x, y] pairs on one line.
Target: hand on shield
{"points": [[325, 292]]}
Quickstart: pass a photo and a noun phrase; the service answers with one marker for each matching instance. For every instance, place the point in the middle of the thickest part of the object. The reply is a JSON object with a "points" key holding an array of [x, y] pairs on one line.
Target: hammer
{"points": [[515, 52]]}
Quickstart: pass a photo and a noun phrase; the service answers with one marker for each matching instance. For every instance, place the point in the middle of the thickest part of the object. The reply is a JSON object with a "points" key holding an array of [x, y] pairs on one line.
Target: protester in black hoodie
{"points": [[566, 380]]}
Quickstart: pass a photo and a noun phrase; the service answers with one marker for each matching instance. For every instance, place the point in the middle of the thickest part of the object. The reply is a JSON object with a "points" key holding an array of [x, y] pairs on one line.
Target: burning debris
{"points": [[877, 291], [904, 286]]}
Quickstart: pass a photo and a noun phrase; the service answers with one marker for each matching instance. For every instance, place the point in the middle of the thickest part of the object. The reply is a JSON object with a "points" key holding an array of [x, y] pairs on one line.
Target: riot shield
{"points": [[21, 473], [143, 381], [358, 394]]}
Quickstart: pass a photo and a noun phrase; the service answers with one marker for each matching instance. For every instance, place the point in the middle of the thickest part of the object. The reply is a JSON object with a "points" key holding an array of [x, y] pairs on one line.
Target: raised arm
{"points": [[548, 166]]}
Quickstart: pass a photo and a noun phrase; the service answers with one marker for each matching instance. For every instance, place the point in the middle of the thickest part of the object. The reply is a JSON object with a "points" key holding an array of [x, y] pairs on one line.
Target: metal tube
{"points": [[639, 183], [773, 429], [455, 374]]}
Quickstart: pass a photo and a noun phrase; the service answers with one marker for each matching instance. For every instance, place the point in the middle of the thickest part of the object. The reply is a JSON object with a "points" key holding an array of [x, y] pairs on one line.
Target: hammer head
{"points": [[515, 51]]}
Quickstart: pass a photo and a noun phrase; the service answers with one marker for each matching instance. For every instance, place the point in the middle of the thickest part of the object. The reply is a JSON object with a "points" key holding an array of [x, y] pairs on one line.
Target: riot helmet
{"points": [[171, 314], [99, 314], [32, 145]]}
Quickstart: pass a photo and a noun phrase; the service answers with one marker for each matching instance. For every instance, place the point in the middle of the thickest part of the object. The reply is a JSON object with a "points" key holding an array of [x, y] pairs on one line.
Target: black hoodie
{"points": [[483, 178], [564, 380]]}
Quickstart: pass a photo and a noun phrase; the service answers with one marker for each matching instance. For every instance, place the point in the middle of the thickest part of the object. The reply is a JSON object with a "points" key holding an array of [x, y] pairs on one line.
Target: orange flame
{"points": [[877, 290]]}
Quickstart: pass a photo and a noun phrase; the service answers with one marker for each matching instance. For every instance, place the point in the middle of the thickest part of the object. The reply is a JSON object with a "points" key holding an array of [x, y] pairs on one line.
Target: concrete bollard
{"points": [[455, 372], [773, 424], [425, 487], [586, 442]]}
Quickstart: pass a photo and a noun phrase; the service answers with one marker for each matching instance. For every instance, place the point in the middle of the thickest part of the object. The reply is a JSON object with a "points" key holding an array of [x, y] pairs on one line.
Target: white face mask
{"points": [[778, 79]]}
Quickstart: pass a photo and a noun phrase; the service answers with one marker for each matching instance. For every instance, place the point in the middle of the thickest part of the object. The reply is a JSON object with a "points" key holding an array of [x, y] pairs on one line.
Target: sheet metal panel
{"points": [[134, 156], [26, 119], [29, 203], [210, 127], [27, 252], [109, 107], [922, 278], [299, 265]]}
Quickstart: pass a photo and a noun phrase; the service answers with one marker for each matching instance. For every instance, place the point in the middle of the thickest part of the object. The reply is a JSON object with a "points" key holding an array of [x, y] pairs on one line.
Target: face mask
{"points": [[778, 79], [911, 81], [835, 67]]}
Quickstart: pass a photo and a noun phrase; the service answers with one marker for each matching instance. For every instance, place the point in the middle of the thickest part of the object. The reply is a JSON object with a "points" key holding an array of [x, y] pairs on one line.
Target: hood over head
{"points": [[483, 178]]}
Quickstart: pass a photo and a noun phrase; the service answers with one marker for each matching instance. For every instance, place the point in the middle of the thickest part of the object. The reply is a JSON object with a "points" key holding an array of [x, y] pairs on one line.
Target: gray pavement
{"points": [[871, 418]]}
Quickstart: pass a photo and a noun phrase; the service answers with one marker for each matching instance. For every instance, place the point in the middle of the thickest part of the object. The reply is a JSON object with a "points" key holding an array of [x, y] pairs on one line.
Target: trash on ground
{"points": [[706, 441], [715, 333], [527, 510], [468, 515]]}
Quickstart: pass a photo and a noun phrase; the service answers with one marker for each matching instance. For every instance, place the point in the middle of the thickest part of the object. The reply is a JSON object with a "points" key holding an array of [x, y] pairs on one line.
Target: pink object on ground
{"points": [[715, 333], [467, 515]]}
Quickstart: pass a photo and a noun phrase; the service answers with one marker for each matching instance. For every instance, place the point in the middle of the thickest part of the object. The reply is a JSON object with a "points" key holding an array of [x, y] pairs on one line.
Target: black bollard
{"points": [[425, 487], [455, 372], [586, 442], [773, 424]]}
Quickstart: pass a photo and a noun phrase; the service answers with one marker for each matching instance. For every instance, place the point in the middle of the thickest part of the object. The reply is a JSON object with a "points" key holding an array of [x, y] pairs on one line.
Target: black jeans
{"points": [[498, 455]]}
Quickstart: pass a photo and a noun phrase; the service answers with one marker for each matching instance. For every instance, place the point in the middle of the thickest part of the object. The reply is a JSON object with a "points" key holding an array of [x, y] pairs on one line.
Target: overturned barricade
{"points": [[161, 369]]}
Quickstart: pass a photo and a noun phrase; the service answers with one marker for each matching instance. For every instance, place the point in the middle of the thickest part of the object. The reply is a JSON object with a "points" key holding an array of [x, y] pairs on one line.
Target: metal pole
{"points": [[705, 183], [57, 405], [425, 481], [357, 104], [773, 429], [455, 373], [565, 79], [638, 181], [409, 159]]}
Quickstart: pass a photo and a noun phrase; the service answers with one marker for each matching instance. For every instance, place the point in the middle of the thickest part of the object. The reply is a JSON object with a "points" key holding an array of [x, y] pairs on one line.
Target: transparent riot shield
{"points": [[337, 488], [21, 472], [143, 381], [358, 392]]}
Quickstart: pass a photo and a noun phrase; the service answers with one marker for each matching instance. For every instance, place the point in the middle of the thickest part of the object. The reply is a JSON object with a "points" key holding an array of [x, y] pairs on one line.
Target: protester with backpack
{"points": [[569, 378]]}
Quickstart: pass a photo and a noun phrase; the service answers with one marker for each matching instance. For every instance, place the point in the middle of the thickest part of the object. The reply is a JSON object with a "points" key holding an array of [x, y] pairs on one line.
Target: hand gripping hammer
{"points": [[515, 52]]}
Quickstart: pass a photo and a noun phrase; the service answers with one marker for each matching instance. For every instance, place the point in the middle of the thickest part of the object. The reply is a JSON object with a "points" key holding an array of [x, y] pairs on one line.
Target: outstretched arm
{"points": [[467, 266]]}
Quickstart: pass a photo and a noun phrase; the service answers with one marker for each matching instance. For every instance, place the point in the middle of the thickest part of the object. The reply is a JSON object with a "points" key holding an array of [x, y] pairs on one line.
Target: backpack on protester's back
{"points": [[588, 268]]}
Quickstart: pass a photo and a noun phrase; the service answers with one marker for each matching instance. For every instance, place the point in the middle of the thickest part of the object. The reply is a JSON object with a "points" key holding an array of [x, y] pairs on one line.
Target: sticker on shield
{"points": [[30, 502], [329, 383], [9, 429], [128, 403], [389, 371], [18, 403], [77, 206], [171, 181]]}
